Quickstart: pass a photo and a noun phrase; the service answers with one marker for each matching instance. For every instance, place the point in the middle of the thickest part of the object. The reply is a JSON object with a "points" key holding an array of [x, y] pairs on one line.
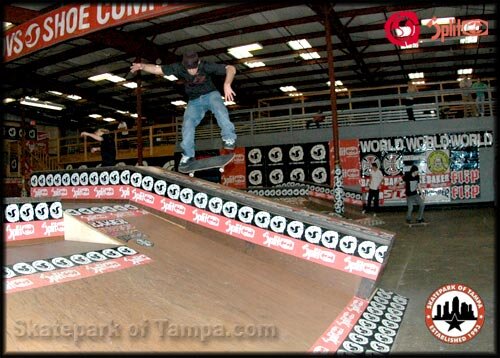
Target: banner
{"points": [[77, 20], [234, 174]]}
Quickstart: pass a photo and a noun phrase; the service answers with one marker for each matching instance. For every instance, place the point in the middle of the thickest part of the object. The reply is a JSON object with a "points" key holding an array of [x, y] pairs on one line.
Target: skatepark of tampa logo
{"points": [[454, 313]]}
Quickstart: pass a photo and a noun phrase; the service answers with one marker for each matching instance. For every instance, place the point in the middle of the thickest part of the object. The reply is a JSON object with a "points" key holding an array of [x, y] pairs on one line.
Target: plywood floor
{"points": [[196, 285]]}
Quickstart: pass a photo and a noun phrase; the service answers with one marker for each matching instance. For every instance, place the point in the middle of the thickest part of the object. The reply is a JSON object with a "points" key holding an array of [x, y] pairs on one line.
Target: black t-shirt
{"points": [[199, 84], [411, 184], [108, 150]]}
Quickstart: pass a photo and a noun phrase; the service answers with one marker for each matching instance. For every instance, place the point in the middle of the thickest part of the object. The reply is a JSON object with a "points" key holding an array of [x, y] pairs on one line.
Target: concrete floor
{"points": [[458, 246]]}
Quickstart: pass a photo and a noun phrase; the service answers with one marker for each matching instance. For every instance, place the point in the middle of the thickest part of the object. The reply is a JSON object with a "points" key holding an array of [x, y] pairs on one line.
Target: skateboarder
{"points": [[203, 96], [412, 191], [107, 148]]}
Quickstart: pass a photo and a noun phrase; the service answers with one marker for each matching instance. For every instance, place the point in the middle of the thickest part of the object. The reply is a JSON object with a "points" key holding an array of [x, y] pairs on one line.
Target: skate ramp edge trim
{"points": [[332, 242]]}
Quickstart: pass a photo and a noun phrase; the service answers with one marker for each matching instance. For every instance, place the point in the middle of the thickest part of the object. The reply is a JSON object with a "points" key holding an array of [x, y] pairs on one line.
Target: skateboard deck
{"points": [[208, 163], [417, 224]]}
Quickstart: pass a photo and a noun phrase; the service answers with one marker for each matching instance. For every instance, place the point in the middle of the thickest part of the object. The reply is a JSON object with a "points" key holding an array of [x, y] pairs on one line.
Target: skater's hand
{"points": [[136, 67], [228, 92]]}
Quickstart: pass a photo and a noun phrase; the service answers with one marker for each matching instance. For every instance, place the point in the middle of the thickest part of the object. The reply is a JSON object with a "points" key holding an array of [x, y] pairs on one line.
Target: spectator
{"points": [[375, 180], [469, 107], [413, 192], [317, 119], [123, 129], [480, 88], [107, 147], [412, 89]]}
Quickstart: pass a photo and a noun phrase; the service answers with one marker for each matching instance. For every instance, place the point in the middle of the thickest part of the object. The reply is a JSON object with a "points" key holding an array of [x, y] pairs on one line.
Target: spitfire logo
{"points": [[75, 179], [41, 180], [66, 180], [96, 256], [215, 205], [278, 224], [147, 183], [295, 229], [255, 177], [49, 180], [173, 191], [186, 195], [255, 156], [23, 268], [160, 187], [42, 211], [97, 210], [80, 259], [276, 176], [84, 178], [114, 177], [296, 153], [131, 207], [85, 211], [262, 219], [72, 212], [111, 253], [319, 175], [297, 174], [402, 28], [330, 239], [367, 249], [108, 209], [275, 155], [201, 200], [230, 209], [94, 178], [26, 211], [245, 214], [380, 253], [43, 265], [136, 179], [348, 244], [55, 210], [12, 213], [125, 177], [318, 152], [34, 180], [313, 234], [57, 179]]}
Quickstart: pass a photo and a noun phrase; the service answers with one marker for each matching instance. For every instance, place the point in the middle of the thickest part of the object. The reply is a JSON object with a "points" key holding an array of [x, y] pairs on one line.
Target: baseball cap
{"points": [[190, 59]]}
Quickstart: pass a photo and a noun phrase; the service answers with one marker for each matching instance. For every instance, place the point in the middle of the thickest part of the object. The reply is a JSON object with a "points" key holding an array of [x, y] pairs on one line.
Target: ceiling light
{"points": [[95, 115], [295, 94], [288, 89], [416, 75], [171, 78], [229, 103], [418, 82], [464, 71], [106, 76], [109, 119], [57, 93], [178, 103], [74, 97], [130, 84], [310, 56], [8, 100], [244, 51], [299, 44], [35, 102], [254, 64]]}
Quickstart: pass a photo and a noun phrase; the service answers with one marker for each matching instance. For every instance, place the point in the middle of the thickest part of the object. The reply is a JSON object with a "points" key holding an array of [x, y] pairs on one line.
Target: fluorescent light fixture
{"points": [[418, 82], [288, 89], [341, 89], [8, 100], [244, 51], [295, 94], [121, 112], [57, 93], [337, 83], [35, 102], [107, 76], [74, 97], [109, 119], [299, 44], [130, 84], [413, 45], [178, 103], [229, 103], [469, 40], [310, 56], [135, 115], [438, 20], [95, 115], [171, 78], [254, 64], [416, 75], [464, 71]]}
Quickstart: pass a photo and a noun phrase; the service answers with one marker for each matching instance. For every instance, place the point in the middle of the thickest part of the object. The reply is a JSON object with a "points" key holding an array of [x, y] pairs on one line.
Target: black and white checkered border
{"points": [[295, 229]]}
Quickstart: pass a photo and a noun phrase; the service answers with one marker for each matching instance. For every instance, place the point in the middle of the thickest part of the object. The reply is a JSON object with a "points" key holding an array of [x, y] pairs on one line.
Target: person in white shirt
{"points": [[376, 178]]}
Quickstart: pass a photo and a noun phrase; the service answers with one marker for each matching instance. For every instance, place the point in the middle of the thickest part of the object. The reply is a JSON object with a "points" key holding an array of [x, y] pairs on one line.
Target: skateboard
{"points": [[417, 224], [208, 163]]}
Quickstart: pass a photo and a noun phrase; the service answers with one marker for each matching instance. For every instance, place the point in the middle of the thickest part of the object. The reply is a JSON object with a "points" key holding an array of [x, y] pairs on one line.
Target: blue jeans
{"points": [[480, 103], [415, 200], [194, 113]]}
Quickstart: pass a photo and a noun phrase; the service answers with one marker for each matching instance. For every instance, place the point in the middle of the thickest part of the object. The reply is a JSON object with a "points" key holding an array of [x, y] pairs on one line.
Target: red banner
{"points": [[77, 20], [235, 173], [349, 161]]}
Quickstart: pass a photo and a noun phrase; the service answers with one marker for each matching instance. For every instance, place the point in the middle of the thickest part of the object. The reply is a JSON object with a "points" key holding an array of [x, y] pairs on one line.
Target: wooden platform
{"points": [[197, 285]]}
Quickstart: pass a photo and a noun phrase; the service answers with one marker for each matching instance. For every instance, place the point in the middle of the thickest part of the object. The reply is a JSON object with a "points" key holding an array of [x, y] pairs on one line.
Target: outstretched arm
{"points": [[228, 91], [147, 67], [92, 135]]}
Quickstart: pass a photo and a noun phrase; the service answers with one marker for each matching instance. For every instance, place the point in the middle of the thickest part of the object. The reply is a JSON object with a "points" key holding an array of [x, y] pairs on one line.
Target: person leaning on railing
{"points": [[107, 147]]}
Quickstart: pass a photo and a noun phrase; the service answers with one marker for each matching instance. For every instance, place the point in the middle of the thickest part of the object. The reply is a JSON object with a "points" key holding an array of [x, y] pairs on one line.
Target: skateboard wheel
{"points": [[191, 175], [221, 170]]}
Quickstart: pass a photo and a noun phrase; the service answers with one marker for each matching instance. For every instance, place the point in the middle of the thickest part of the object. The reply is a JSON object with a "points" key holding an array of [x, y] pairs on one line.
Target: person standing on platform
{"points": [[107, 147], [469, 107], [375, 180], [203, 96], [480, 88], [411, 90], [413, 194]]}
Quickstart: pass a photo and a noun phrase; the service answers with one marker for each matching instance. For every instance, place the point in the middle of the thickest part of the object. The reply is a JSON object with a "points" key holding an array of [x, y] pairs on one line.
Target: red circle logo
{"points": [[454, 313], [402, 28]]}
